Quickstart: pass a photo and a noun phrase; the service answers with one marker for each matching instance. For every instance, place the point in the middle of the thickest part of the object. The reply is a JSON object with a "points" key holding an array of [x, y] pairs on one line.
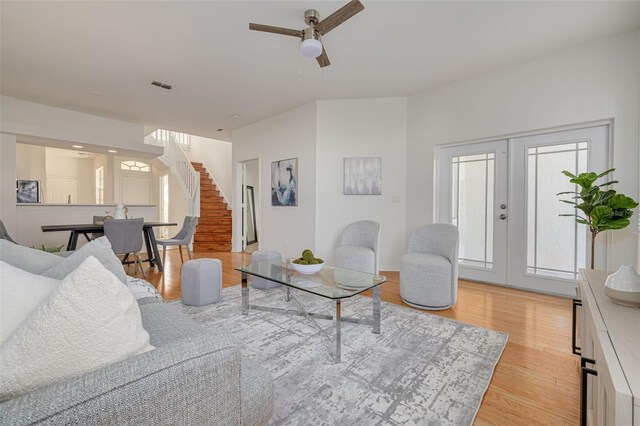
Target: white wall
{"points": [[61, 165], [591, 82], [216, 157], [36, 120], [362, 128], [31, 162], [288, 230], [8, 182]]}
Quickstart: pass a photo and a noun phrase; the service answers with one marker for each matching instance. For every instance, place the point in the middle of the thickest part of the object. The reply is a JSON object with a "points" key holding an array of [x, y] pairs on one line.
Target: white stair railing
{"points": [[175, 158]]}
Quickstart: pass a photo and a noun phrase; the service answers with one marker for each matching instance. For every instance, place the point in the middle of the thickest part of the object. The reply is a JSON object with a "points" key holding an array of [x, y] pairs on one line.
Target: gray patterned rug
{"points": [[422, 369]]}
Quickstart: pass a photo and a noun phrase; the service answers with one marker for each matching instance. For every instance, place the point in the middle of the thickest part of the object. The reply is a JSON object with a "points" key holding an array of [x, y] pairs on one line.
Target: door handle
{"points": [[583, 387], [574, 319], [502, 216]]}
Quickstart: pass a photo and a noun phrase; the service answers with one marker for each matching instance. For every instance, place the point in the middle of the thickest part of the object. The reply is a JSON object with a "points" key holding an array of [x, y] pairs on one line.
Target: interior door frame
{"points": [[604, 242]]}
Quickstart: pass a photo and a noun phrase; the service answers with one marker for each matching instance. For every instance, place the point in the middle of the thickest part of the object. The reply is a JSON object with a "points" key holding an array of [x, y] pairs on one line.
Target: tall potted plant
{"points": [[600, 207]]}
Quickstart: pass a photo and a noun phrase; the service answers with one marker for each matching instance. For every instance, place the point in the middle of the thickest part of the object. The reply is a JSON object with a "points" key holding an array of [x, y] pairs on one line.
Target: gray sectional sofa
{"points": [[193, 377]]}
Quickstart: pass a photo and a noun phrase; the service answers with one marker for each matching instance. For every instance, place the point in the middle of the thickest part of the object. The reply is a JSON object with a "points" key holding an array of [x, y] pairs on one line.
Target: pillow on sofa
{"points": [[28, 259], [100, 249], [89, 321], [21, 293]]}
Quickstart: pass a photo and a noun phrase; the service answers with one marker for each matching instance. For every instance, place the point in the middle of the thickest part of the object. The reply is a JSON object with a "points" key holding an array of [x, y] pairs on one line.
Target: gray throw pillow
{"points": [[27, 259], [100, 249]]}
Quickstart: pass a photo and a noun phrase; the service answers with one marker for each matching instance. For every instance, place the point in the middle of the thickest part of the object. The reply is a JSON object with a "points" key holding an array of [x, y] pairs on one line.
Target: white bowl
{"points": [[307, 269]]}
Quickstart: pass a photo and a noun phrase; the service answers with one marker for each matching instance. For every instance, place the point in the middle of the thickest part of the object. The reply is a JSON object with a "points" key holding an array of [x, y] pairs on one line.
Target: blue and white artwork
{"points": [[284, 182], [363, 176]]}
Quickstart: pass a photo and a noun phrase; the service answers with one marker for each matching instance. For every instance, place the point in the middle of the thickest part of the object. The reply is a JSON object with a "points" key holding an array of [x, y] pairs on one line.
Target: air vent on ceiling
{"points": [[160, 84]]}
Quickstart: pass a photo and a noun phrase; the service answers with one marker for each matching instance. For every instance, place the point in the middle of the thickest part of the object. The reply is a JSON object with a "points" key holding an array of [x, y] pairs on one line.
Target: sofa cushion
{"points": [[256, 386], [21, 293], [25, 258], [165, 323], [99, 249], [89, 321]]}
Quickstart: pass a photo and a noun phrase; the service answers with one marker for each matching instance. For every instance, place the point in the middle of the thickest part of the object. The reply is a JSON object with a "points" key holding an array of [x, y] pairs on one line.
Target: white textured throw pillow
{"points": [[21, 292], [88, 322]]}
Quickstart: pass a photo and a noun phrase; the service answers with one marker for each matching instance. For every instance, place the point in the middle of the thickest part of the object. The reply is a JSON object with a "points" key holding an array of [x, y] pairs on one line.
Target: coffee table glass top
{"points": [[329, 282]]}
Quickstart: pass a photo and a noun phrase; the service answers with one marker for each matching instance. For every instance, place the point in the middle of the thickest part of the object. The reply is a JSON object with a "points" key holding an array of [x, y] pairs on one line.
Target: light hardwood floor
{"points": [[537, 378]]}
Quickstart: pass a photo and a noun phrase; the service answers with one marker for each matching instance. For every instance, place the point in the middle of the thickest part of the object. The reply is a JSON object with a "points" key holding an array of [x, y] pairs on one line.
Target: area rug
{"points": [[422, 369]]}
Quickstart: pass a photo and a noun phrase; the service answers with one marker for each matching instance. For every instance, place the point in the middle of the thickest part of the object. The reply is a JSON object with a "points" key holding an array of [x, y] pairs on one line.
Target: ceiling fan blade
{"points": [[339, 16], [323, 59], [276, 30]]}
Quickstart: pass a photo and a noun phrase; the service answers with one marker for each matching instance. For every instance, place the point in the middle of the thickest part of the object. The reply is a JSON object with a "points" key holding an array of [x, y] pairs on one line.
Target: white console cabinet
{"points": [[607, 338]]}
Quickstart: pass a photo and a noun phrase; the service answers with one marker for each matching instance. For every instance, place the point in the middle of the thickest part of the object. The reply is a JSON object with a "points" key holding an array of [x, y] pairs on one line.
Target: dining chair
{"points": [[125, 236], [4, 234], [182, 238], [97, 220]]}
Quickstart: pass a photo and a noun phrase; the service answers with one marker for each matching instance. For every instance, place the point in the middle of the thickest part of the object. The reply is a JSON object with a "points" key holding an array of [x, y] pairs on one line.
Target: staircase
{"points": [[213, 232]]}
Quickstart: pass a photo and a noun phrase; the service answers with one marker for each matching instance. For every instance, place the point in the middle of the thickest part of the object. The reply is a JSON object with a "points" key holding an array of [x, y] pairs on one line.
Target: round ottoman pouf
{"points": [[265, 256], [201, 281]]}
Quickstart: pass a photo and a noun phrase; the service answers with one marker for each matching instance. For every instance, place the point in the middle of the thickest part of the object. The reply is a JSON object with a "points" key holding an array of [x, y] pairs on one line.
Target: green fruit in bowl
{"points": [[314, 262], [307, 255], [296, 261], [319, 260], [303, 262]]}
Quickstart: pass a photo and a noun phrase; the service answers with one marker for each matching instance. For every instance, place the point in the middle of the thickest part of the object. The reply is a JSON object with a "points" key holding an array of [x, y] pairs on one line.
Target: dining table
{"points": [[84, 229]]}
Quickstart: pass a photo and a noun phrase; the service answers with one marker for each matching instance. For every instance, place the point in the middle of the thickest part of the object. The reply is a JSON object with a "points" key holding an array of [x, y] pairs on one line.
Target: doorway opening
{"points": [[502, 196]]}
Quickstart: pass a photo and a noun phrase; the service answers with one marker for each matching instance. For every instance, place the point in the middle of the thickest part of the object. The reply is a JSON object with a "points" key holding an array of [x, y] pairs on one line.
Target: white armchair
{"points": [[429, 270], [358, 247]]}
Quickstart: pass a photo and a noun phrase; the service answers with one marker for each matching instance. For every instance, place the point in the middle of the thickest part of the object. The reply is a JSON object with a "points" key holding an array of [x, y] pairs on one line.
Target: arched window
{"points": [[135, 166]]}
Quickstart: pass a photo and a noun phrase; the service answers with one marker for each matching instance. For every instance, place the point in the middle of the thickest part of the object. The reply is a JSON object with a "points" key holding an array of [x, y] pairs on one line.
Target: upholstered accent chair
{"points": [[359, 247], [429, 269]]}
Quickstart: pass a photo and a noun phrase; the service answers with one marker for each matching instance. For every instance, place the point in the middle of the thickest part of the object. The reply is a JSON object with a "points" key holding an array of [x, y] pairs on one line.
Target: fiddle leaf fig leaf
{"points": [[621, 201]]}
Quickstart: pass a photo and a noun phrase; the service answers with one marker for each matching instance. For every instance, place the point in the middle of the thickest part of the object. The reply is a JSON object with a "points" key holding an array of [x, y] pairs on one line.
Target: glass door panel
{"points": [[546, 250], [472, 195], [472, 209], [556, 247]]}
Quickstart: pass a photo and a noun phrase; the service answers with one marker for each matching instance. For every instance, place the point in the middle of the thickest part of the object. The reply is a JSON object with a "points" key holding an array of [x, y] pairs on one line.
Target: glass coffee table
{"points": [[331, 283]]}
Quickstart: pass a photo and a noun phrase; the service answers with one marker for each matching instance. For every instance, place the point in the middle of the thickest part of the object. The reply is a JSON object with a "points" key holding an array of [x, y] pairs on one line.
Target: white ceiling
{"points": [[100, 57]]}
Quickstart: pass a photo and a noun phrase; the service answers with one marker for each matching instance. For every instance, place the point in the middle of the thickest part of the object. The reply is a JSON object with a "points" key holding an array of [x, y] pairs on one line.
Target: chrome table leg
{"points": [[337, 326], [245, 294], [376, 310]]}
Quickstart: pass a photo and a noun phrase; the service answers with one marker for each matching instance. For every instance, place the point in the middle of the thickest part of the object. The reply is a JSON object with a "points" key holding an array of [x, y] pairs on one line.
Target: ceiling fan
{"points": [[312, 37]]}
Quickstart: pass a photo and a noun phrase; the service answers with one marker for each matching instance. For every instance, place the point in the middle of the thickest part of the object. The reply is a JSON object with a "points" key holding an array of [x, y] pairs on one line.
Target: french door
{"points": [[502, 197]]}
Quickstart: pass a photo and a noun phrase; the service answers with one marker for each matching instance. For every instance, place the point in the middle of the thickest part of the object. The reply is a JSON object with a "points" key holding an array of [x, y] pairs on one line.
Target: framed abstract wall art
{"points": [[27, 191], [363, 176], [284, 182]]}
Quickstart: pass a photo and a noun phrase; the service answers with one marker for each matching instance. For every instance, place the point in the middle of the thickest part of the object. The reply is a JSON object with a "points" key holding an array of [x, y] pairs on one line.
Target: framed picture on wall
{"points": [[27, 191], [363, 176], [284, 182]]}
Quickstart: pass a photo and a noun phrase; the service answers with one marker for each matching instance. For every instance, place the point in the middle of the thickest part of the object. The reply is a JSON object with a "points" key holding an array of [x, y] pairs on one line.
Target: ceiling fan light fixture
{"points": [[311, 46]]}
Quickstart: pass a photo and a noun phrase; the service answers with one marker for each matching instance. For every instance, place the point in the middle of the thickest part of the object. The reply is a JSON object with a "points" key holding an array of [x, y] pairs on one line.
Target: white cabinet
{"points": [[609, 346]]}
